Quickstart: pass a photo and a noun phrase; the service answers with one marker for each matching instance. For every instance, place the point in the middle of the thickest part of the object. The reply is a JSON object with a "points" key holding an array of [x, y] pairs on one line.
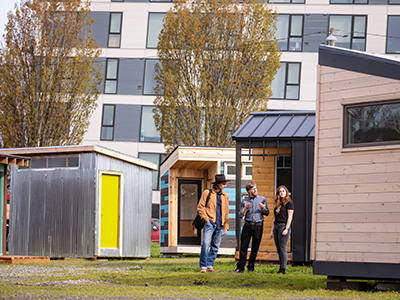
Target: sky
{"points": [[6, 6]]}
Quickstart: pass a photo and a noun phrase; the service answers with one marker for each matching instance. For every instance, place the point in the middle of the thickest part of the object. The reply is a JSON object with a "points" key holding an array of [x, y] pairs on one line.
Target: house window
{"points": [[394, 1], [349, 1], [148, 130], [110, 84], [286, 84], [149, 77], [154, 28], [155, 158], [349, 31], [53, 162], [284, 172], [107, 126], [247, 171], [114, 32], [393, 34], [230, 170], [290, 32], [372, 124]]}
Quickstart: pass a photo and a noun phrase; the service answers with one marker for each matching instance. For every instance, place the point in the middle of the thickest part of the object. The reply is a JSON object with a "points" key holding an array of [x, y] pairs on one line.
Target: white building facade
{"points": [[127, 32]]}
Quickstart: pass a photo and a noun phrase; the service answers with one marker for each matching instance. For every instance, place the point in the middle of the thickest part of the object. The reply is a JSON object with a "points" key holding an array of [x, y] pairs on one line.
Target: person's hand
{"points": [[271, 234], [262, 205], [247, 205], [225, 232], [285, 232]]}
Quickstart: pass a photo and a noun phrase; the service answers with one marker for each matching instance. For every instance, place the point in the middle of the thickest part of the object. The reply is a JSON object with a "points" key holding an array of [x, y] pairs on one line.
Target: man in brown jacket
{"points": [[216, 222]]}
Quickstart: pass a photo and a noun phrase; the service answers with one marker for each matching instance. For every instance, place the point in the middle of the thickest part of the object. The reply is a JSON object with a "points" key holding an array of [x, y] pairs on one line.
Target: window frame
{"points": [[289, 36], [144, 76], [290, 2], [102, 123], [352, 3], [148, 27], [140, 127], [352, 37], [111, 79], [345, 122], [387, 35], [110, 33], [286, 84], [389, 3]]}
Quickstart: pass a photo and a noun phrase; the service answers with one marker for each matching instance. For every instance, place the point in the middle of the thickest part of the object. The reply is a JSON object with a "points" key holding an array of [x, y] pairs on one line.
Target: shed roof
{"points": [[8, 159], [359, 61], [277, 124], [57, 150]]}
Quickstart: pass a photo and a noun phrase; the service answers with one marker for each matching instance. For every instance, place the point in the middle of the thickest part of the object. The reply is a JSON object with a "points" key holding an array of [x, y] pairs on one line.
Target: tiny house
{"points": [[185, 173], [356, 201], [80, 201]]}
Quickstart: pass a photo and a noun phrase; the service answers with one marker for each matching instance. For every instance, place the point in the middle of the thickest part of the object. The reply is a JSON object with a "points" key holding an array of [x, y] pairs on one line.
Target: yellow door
{"points": [[109, 222]]}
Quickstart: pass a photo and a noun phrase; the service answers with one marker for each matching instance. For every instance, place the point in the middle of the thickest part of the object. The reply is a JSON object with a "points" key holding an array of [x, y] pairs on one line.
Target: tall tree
{"points": [[48, 74], [217, 61]]}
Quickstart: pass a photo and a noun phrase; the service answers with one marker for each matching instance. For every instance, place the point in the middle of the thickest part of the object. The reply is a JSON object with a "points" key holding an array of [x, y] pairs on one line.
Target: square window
{"points": [[349, 31], [286, 84]]}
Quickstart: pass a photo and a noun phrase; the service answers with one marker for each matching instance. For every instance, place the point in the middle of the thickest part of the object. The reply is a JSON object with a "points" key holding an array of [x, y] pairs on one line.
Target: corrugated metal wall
{"points": [[54, 211], [136, 211]]}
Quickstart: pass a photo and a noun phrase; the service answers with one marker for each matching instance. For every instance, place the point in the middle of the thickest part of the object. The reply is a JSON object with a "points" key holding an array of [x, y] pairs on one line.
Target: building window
{"points": [[114, 32], [372, 124], [394, 1], [284, 172], [290, 32], [247, 171], [349, 1], [154, 28], [393, 34], [230, 170], [148, 130], [286, 1], [286, 84], [349, 31], [110, 84], [155, 158], [149, 77], [53, 162], [107, 124]]}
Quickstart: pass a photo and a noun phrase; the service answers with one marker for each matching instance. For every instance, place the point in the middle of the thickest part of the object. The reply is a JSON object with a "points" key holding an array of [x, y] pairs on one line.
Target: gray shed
{"points": [[80, 201]]}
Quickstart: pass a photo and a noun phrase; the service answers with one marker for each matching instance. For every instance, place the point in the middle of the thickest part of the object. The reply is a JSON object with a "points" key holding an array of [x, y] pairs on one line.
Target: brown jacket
{"points": [[209, 213]]}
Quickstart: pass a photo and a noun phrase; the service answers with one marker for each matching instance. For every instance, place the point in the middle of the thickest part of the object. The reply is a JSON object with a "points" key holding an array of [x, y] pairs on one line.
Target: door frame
{"points": [[197, 239], [110, 251]]}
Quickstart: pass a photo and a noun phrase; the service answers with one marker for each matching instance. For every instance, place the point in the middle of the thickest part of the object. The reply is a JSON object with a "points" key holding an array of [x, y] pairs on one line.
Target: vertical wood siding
{"points": [[357, 193]]}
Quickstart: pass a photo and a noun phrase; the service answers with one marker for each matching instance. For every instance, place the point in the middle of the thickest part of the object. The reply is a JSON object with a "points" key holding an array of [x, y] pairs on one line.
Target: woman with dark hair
{"points": [[283, 216]]}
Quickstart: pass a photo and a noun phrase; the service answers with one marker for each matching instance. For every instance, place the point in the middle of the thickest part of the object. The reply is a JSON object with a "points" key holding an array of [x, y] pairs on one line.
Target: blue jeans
{"points": [[210, 245]]}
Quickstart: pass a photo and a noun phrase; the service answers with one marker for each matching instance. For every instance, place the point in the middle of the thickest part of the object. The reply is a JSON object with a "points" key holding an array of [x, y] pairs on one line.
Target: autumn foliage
{"points": [[48, 74], [217, 61]]}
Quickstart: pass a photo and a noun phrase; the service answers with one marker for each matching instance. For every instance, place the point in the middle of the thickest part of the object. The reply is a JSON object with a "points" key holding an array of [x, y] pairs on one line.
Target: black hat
{"points": [[220, 178]]}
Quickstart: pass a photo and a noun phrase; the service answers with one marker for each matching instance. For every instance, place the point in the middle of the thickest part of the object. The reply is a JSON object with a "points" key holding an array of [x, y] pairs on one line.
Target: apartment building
{"points": [[127, 32]]}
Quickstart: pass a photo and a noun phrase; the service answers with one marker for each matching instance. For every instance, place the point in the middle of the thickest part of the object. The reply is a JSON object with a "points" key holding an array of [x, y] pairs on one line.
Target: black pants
{"points": [[250, 231], [281, 242]]}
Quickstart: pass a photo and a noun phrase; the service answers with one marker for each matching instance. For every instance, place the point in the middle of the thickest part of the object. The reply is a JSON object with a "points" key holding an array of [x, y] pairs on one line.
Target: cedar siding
{"points": [[356, 202]]}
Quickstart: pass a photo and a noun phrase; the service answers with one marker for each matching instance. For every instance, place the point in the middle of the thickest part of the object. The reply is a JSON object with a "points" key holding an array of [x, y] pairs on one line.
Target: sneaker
{"points": [[238, 271], [212, 270], [250, 270]]}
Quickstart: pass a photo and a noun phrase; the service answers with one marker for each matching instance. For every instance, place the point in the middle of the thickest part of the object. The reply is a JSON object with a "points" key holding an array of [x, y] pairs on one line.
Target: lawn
{"points": [[165, 278]]}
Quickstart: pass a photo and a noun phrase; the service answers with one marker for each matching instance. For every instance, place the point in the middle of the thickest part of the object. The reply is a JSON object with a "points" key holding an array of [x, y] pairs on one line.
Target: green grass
{"points": [[160, 277]]}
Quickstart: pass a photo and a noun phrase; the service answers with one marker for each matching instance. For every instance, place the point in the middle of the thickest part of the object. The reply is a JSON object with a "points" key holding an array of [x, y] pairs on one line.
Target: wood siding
{"points": [[356, 205]]}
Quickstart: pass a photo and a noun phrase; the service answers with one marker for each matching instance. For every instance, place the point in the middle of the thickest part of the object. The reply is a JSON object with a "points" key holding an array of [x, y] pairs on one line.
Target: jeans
{"points": [[210, 245], [281, 242], [249, 231]]}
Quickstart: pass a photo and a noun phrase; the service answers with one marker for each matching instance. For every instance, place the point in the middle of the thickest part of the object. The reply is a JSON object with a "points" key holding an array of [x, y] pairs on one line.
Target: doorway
{"points": [[188, 198], [110, 212]]}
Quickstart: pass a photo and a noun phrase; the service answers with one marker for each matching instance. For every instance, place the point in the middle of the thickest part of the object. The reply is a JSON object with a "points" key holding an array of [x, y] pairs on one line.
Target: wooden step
{"points": [[15, 259]]}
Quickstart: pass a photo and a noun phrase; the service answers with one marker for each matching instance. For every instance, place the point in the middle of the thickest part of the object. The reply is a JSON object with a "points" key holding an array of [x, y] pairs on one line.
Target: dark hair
{"points": [[250, 185], [278, 199]]}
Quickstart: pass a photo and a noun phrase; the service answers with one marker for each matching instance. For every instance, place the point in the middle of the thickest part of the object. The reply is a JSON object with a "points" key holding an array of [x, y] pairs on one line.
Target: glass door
{"points": [[189, 196]]}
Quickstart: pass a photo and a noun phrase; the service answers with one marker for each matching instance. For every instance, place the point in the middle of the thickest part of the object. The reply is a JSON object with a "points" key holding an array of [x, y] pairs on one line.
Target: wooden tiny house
{"points": [[186, 172], [80, 201], [356, 202], [281, 147]]}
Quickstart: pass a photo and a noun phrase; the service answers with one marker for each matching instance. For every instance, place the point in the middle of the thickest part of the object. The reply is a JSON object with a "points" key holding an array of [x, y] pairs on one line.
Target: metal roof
{"points": [[277, 124]]}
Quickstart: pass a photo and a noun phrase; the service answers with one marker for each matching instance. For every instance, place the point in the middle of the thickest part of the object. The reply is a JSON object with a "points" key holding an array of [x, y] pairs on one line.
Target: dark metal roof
{"points": [[277, 124], [359, 61]]}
